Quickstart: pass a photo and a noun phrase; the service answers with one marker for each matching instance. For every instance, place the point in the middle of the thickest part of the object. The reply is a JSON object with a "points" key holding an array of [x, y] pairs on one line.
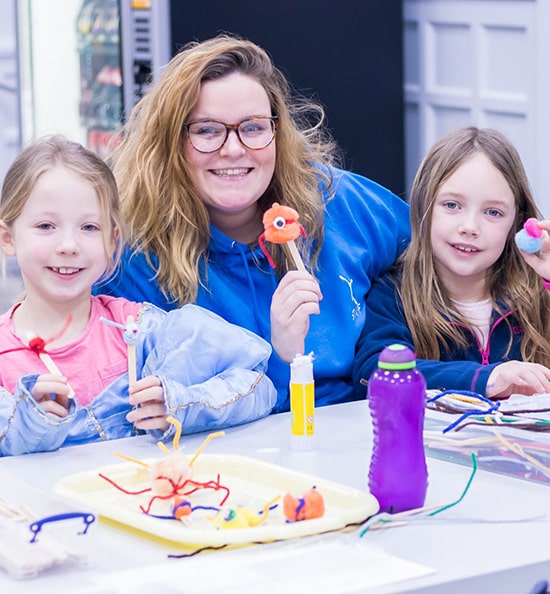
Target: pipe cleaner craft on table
{"points": [[211, 501], [529, 239], [173, 485], [172, 479], [311, 505], [281, 226], [499, 432]]}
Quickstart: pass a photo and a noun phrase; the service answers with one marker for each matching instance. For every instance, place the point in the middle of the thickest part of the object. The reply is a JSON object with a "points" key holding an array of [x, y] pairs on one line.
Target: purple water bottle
{"points": [[398, 476]]}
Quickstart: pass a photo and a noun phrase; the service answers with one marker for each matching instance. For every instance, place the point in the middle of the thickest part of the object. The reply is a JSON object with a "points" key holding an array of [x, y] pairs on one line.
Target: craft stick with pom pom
{"points": [[130, 336], [38, 345], [281, 226]]}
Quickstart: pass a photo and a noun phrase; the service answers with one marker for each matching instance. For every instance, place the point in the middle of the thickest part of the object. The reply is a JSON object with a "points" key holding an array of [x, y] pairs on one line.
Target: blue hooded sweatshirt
{"points": [[457, 369], [366, 228]]}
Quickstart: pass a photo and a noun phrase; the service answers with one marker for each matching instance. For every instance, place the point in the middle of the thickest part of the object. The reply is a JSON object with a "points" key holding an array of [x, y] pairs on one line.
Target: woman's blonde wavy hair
{"points": [[512, 284], [163, 211]]}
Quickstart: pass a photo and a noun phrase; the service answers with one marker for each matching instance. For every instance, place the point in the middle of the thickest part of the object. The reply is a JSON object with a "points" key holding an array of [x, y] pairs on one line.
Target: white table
{"points": [[468, 555]]}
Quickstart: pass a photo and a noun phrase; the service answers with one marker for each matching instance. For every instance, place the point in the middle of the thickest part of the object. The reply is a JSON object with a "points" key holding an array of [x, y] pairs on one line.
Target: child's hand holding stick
{"points": [[38, 344]]}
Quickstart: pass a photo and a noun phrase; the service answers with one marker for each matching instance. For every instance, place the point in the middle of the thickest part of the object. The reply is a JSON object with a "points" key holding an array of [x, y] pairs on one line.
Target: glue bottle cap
{"points": [[301, 369]]}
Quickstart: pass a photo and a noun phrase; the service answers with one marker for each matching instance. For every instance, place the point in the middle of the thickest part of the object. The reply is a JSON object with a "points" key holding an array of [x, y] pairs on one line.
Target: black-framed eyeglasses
{"points": [[254, 133]]}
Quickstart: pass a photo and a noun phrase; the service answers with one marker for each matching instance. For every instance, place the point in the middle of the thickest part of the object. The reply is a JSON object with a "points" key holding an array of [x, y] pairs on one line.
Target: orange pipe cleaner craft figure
{"points": [[307, 507], [281, 226]]}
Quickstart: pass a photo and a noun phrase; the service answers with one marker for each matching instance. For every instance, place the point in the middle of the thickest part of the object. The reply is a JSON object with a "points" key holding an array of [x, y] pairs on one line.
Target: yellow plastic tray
{"points": [[252, 484]]}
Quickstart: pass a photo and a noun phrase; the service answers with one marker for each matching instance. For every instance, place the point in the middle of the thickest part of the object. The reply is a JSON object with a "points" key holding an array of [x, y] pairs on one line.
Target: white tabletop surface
{"points": [[484, 544]]}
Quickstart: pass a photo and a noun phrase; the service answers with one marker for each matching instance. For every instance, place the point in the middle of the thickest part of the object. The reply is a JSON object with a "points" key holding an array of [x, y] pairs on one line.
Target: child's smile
{"points": [[471, 220]]}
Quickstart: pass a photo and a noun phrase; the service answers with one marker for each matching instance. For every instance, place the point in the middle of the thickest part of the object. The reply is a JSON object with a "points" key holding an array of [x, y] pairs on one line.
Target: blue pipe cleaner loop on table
{"points": [[492, 406]]}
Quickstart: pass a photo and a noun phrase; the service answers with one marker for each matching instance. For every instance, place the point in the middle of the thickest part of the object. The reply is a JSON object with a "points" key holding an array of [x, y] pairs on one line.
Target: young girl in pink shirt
{"points": [[59, 216]]}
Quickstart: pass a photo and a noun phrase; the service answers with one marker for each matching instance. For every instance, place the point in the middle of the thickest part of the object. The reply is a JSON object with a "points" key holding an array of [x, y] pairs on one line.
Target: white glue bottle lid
{"points": [[302, 403], [301, 369]]}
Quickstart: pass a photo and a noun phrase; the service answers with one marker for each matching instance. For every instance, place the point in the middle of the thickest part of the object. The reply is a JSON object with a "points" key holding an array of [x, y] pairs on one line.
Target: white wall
{"points": [[50, 69], [9, 101], [481, 62]]}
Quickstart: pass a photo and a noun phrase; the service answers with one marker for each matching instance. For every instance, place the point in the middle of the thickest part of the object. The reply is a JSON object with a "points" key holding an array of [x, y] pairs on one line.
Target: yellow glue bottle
{"points": [[302, 402]]}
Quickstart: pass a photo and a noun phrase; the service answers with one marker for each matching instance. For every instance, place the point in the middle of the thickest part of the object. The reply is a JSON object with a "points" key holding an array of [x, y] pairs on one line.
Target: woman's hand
{"points": [[540, 262], [518, 377], [52, 393], [147, 397], [296, 298]]}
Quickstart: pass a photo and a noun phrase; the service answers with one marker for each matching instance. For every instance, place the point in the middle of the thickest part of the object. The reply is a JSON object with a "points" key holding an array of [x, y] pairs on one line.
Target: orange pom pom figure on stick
{"points": [[281, 226]]}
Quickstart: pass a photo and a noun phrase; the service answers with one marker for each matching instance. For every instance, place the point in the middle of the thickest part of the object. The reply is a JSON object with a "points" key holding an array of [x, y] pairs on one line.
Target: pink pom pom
{"points": [[532, 228]]}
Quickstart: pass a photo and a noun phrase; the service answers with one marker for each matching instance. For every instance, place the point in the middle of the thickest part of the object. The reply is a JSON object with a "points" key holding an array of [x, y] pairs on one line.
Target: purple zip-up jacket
{"points": [[458, 368]]}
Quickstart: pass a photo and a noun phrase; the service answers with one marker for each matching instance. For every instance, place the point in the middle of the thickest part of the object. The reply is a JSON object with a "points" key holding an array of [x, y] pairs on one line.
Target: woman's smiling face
{"points": [[232, 179]]}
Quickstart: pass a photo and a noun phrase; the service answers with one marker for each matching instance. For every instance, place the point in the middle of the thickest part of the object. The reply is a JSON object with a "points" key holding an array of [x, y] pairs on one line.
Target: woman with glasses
{"points": [[216, 141]]}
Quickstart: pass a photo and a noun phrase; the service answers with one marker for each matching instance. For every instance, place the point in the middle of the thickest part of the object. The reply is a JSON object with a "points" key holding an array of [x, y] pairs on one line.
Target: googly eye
{"points": [[279, 222], [230, 515]]}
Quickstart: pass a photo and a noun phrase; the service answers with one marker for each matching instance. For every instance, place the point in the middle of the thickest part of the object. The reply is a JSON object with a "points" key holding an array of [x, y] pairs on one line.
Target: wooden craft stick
{"points": [[132, 372], [130, 335], [296, 255], [49, 363]]}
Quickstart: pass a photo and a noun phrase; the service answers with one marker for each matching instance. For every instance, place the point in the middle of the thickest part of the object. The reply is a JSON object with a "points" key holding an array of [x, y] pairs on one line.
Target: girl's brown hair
{"points": [[511, 283]]}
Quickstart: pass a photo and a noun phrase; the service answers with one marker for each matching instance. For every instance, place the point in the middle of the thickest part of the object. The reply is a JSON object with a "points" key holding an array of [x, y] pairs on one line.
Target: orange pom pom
{"points": [[311, 505]]}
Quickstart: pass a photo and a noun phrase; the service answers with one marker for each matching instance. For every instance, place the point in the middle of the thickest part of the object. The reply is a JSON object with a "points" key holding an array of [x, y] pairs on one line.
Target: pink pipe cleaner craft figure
{"points": [[281, 226], [529, 239]]}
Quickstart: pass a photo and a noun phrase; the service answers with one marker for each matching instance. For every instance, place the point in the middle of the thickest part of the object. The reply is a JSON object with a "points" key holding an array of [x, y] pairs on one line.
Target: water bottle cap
{"points": [[397, 356]]}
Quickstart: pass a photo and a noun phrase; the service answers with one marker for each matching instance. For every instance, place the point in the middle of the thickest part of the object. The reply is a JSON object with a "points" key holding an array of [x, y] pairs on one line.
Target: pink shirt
{"points": [[90, 364]]}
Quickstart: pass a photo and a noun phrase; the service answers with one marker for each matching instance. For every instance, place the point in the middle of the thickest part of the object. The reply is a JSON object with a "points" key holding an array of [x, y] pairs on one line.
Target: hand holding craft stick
{"points": [[281, 226], [37, 344]]}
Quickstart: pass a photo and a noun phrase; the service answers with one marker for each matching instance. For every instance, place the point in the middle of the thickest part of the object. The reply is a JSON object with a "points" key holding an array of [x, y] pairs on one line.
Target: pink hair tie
{"points": [[546, 284]]}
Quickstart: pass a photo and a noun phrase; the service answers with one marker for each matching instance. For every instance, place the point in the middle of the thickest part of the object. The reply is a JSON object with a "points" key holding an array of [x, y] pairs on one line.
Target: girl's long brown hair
{"points": [[511, 283], [164, 213]]}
